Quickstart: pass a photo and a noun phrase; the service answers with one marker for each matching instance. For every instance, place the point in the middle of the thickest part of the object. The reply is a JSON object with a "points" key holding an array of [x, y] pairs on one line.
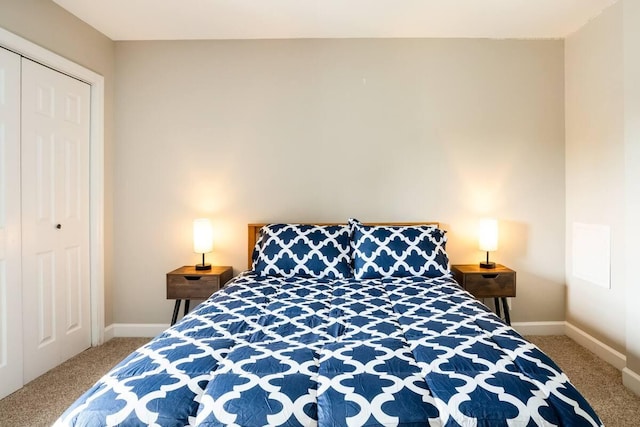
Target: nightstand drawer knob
{"points": [[192, 277], [490, 276]]}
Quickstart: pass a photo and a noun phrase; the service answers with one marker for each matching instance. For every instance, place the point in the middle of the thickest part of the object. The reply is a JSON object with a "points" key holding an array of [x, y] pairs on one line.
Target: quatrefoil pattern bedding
{"points": [[409, 351], [302, 250], [398, 251]]}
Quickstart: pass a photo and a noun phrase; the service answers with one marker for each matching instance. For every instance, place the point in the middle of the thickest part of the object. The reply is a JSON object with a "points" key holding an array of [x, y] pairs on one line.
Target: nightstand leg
{"points": [[175, 312], [496, 303], [506, 311], [186, 306]]}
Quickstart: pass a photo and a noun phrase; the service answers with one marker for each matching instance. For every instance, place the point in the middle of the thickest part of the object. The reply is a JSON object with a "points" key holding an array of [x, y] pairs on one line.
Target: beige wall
{"points": [[595, 167], [632, 170], [320, 130], [48, 25], [602, 63]]}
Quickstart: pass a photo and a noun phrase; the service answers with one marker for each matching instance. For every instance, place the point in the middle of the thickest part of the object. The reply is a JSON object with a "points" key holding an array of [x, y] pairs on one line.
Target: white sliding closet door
{"points": [[10, 256], [55, 217]]}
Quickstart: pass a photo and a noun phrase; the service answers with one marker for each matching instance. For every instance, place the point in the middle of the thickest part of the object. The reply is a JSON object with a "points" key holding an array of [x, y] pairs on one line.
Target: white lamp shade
{"points": [[202, 236], [488, 235]]}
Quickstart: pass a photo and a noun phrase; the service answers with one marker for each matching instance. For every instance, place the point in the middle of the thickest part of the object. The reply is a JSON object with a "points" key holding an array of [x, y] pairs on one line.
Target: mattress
{"points": [[398, 351]]}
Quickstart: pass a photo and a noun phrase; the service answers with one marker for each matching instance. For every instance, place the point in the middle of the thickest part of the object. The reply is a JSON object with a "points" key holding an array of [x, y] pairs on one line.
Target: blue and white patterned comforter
{"points": [[304, 352]]}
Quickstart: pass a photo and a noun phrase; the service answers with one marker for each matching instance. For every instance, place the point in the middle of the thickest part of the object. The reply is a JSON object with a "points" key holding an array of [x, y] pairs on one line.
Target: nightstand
{"points": [[187, 283], [497, 283]]}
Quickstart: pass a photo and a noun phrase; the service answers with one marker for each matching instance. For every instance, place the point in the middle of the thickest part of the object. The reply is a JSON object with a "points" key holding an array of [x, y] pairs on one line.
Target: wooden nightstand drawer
{"points": [[490, 285], [191, 287], [499, 282], [189, 283]]}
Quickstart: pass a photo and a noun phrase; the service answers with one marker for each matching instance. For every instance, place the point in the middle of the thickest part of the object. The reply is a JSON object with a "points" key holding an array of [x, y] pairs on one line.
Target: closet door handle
{"points": [[59, 226]]}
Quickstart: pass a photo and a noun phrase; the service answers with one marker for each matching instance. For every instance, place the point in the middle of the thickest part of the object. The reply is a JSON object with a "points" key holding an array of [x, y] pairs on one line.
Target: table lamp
{"points": [[202, 240], [488, 240]]}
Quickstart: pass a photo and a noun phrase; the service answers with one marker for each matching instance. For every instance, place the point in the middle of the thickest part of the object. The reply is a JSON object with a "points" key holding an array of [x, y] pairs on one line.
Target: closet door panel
{"points": [[44, 179], [55, 212], [42, 298], [73, 210], [46, 300], [10, 251], [74, 291]]}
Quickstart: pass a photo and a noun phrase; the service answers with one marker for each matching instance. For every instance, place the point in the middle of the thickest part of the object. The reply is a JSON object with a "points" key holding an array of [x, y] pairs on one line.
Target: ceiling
{"points": [[278, 19]]}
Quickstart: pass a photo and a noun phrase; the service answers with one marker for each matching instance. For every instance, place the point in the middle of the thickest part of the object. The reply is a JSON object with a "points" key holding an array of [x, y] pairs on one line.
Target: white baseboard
{"points": [[145, 330], [108, 333], [631, 380], [602, 350], [539, 328]]}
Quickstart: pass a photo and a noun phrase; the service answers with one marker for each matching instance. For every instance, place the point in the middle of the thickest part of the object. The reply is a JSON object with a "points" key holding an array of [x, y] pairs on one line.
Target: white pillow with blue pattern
{"points": [[301, 250], [398, 251]]}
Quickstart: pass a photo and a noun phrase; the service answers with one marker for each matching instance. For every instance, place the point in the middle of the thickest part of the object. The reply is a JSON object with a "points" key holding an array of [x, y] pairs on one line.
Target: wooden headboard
{"points": [[254, 232]]}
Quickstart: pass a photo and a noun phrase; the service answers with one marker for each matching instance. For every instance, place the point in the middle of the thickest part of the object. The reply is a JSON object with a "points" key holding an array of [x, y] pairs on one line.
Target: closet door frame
{"points": [[37, 53]]}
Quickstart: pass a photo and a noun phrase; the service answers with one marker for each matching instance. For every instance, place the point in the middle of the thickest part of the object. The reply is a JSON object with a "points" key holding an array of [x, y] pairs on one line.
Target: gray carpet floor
{"points": [[599, 382], [41, 401]]}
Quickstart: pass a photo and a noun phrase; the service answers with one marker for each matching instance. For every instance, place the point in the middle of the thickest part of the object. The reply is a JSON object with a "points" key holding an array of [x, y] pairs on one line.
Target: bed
{"points": [[337, 325]]}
